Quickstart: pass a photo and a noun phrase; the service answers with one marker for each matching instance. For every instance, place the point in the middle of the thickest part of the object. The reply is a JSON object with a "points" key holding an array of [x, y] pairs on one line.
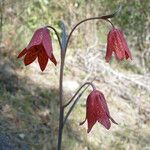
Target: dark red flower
{"points": [[39, 47], [97, 110], [116, 43]]}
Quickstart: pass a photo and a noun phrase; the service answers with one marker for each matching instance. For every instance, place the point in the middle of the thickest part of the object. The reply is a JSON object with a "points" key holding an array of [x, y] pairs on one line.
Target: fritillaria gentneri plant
{"points": [[40, 47]]}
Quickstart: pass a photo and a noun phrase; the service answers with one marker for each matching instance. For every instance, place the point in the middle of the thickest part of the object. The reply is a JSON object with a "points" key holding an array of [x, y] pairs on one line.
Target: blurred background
{"points": [[29, 98]]}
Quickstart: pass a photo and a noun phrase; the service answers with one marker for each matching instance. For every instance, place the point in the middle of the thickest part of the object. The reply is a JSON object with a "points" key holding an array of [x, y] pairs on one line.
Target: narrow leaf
{"points": [[112, 15]]}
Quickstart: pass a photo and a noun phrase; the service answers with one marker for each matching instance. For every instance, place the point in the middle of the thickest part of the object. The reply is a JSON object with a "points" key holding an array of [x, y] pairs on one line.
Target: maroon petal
{"points": [[42, 59], [53, 59], [109, 48], [127, 51], [37, 38], [127, 56], [104, 120], [119, 54], [91, 120], [105, 107], [22, 53], [47, 42], [103, 102], [125, 46], [101, 109], [91, 115], [118, 45], [30, 56]]}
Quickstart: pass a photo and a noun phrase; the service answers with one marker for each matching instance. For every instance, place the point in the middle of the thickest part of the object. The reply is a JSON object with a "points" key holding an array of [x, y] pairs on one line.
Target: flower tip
{"points": [[26, 64], [24, 51], [107, 126], [55, 63], [88, 131], [131, 58], [19, 56], [107, 61], [42, 70], [53, 59]]}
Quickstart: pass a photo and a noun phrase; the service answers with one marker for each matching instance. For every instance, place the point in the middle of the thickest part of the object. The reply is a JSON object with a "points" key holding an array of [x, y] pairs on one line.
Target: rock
{"points": [[11, 142], [6, 143]]}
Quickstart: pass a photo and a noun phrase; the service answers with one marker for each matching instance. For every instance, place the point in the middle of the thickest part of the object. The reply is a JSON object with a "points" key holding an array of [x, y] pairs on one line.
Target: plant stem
{"points": [[61, 113], [88, 19], [1, 21], [87, 83], [61, 109]]}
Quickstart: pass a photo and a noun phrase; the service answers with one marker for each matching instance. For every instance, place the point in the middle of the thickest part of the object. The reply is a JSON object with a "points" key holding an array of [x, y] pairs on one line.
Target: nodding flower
{"points": [[39, 47], [97, 110], [116, 43]]}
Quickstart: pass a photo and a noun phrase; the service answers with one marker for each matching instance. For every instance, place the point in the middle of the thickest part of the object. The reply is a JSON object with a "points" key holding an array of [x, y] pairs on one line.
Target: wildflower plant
{"points": [[40, 47]]}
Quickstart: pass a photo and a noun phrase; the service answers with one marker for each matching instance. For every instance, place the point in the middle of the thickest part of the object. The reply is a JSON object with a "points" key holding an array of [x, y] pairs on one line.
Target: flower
{"points": [[117, 43], [97, 110], [39, 47]]}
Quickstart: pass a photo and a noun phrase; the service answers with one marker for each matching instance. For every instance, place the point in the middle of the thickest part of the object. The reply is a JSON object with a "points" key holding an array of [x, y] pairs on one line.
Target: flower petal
{"points": [[42, 59], [37, 38], [105, 107], [53, 59], [91, 114], [103, 102], [127, 51], [118, 44], [104, 120], [91, 121], [22, 53], [109, 48], [30, 56], [47, 42], [101, 109], [125, 46], [127, 56]]}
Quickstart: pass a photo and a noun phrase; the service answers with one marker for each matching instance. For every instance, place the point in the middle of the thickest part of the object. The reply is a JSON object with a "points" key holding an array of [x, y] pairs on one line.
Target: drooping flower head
{"points": [[116, 43], [39, 47], [97, 110]]}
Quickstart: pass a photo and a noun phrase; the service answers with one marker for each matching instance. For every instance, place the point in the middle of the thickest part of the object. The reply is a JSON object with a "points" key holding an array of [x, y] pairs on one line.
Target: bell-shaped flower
{"points": [[116, 43], [39, 47], [97, 110]]}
